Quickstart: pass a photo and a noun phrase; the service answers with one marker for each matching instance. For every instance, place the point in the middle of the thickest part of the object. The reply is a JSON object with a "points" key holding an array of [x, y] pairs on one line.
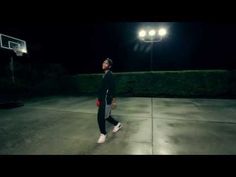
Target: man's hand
{"points": [[113, 104], [98, 102]]}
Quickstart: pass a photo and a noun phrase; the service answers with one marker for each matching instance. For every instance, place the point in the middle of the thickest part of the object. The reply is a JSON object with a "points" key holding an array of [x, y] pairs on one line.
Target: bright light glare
{"points": [[23, 50], [142, 33], [162, 32], [152, 33]]}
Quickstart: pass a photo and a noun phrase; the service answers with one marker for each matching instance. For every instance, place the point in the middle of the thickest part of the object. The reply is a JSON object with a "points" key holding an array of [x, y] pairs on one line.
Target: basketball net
{"points": [[17, 51]]}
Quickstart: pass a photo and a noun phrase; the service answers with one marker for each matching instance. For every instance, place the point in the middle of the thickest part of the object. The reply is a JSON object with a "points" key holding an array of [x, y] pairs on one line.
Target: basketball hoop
{"points": [[18, 51]]}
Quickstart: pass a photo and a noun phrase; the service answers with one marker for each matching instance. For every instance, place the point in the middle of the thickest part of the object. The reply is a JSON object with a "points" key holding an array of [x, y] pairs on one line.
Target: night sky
{"points": [[81, 47]]}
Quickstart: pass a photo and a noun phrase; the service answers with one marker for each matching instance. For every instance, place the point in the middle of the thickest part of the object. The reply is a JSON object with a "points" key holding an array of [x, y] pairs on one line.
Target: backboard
{"points": [[12, 43]]}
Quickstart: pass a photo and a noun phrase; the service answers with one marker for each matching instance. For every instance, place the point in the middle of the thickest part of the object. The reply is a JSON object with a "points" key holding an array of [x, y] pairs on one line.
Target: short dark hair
{"points": [[110, 62]]}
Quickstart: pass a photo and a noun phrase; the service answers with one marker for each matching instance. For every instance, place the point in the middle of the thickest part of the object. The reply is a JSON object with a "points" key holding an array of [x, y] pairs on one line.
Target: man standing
{"points": [[106, 101]]}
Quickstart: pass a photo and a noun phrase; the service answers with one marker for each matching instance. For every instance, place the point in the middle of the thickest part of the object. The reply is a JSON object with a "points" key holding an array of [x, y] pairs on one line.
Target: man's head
{"points": [[107, 64]]}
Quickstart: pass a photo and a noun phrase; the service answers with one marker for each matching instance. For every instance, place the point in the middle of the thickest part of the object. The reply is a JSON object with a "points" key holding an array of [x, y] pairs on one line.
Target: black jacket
{"points": [[107, 88]]}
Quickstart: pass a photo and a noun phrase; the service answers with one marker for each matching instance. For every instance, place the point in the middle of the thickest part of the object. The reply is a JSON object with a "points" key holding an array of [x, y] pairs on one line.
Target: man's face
{"points": [[105, 65]]}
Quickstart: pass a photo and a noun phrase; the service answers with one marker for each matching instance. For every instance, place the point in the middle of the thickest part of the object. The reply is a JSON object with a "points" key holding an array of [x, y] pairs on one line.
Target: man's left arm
{"points": [[113, 91]]}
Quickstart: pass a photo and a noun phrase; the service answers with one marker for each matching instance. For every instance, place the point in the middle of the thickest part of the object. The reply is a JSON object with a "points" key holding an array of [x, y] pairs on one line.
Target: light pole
{"points": [[152, 36]]}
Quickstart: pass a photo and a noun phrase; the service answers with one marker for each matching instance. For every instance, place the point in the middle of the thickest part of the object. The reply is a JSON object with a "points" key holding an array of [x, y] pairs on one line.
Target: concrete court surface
{"points": [[151, 126]]}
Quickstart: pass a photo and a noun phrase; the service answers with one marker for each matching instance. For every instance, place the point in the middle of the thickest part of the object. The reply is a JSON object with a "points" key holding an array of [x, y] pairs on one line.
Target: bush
{"points": [[198, 83], [202, 83]]}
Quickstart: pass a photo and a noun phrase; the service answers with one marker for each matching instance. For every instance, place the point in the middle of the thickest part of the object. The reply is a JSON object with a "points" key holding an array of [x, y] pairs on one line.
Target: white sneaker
{"points": [[117, 128], [102, 139]]}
